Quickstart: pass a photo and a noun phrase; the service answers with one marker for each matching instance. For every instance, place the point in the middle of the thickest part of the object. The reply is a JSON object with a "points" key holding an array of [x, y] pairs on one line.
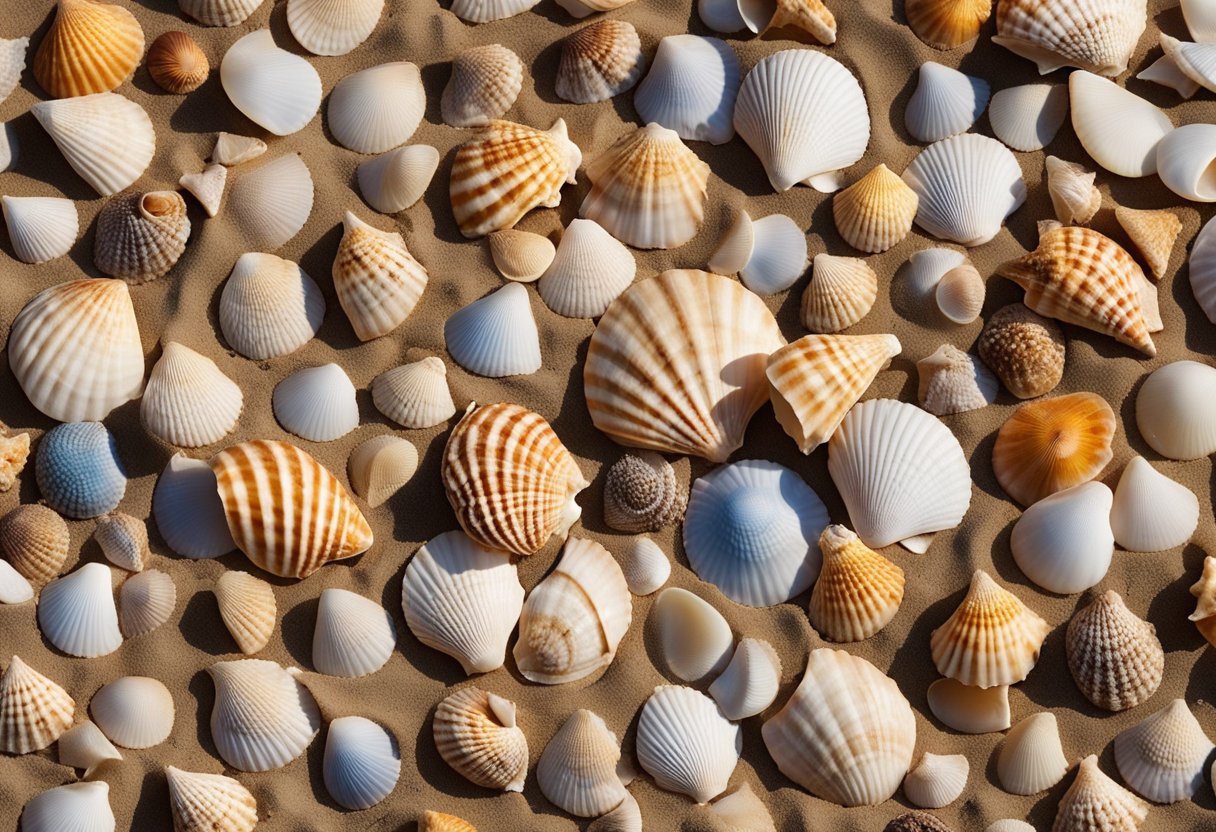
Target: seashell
{"points": [[778, 257], [206, 187], [394, 181], [992, 638], [1152, 512], [1162, 758], [924, 270], [521, 256], [916, 822], [841, 292], [509, 478], [960, 294], [875, 212], [12, 64], [35, 540], [219, 12], [134, 711], [438, 821], [1027, 117], [624, 818], [967, 185], [106, 138], [749, 683], [415, 395], [78, 470], [376, 109], [805, 116], [809, 16], [285, 511], [577, 770], [697, 641], [642, 494], [362, 762], [324, 27], [1100, 106], [599, 62], [879, 459], [145, 602], [270, 204], [495, 336], [691, 88], [1183, 157], [269, 307], [1172, 410], [686, 744], [945, 103], [1031, 759], [1025, 350], [188, 511], [14, 451], [354, 636], [87, 748], [76, 807], [1200, 21], [646, 567], [463, 600], [1196, 62], [1115, 657], [317, 403], [1009, 825], [846, 734], [1073, 195], [1153, 233], [858, 591], [231, 149], [743, 811], [484, 11], [76, 613], [1081, 277], [1094, 795], [589, 270], [209, 802], [177, 63], [477, 735], [41, 228], [711, 323], [1064, 542], [274, 88], [574, 619], [1166, 72], [75, 349], [15, 589], [507, 171], [90, 47], [937, 780], [34, 711], [485, 82], [752, 530], [1204, 591], [969, 710], [1095, 35], [946, 24], [377, 280], [379, 467], [189, 401], [247, 608], [952, 381], [263, 717], [736, 247]]}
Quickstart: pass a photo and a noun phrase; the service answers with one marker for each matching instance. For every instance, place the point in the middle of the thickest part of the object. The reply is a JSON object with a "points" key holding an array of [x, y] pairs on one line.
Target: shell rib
{"points": [[76, 807], [485, 82], [377, 280], [1114, 657], [577, 771], [686, 744], [354, 636], [91, 47], [77, 613], [209, 802], [496, 335], [40, 228], [858, 591], [477, 735], [362, 762], [1163, 758], [247, 608], [1095, 35], [1152, 512], [189, 402], [875, 212], [376, 109], [34, 711], [691, 88], [642, 494], [332, 27], [106, 138], [1031, 759], [415, 395], [600, 61], [263, 717], [1094, 795]]}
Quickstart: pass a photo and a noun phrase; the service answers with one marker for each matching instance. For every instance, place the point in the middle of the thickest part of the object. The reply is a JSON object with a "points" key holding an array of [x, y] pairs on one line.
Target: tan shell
{"points": [[858, 591], [177, 63], [1153, 233], [642, 494], [248, 609], [521, 255], [952, 381], [1115, 657], [947, 24], [960, 294], [1096, 803], [876, 211], [1074, 197], [34, 711], [439, 822], [91, 47], [14, 451], [415, 395], [577, 771], [35, 541], [484, 84], [141, 235], [209, 802], [1095, 35], [145, 602], [381, 466], [600, 61], [377, 280], [123, 540], [1024, 349], [231, 149], [809, 16], [1204, 591], [476, 734], [207, 186], [841, 292]]}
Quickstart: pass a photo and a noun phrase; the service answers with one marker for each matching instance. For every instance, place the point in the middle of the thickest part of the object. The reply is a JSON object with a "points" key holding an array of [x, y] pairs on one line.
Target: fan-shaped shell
{"points": [[440, 822], [1095, 35], [140, 236], [858, 591], [379, 467], [484, 83], [107, 139], [209, 802], [219, 12], [1152, 512], [247, 608], [1064, 542], [189, 401], [590, 269], [946, 24], [875, 212], [967, 709], [1173, 410], [599, 61], [12, 64], [749, 683], [1099, 106], [90, 47], [415, 395], [78, 470], [1163, 757], [134, 711], [231, 149], [841, 292], [354, 636], [691, 88], [945, 103], [394, 181], [123, 540], [85, 747], [495, 336], [1027, 117], [145, 602], [1025, 350], [1031, 759], [35, 540], [34, 711], [1114, 657], [484, 11], [332, 27], [177, 63], [577, 771], [269, 307], [274, 88], [1153, 233], [521, 256], [743, 811], [937, 780], [1094, 795], [686, 744], [41, 228], [14, 587], [376, 109], [778, 256], [696, 639], [207, 187], [362, 762], [269, 205], [76, 807], [1073, 194], [317, 403], [641, 493], [646, 567], [477, 735], [188, 511], [952, 381], [76, 613], [263, 717]]}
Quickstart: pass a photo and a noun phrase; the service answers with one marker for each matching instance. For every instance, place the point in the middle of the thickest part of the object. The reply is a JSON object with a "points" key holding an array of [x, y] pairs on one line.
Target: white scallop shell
{"points": [[394, 181], [1119, 129], [946, 102], [696, 639], [484, 84], [332, 27], [269, 307], [106, 138], [646, 567], [1151, 512], [376, 109], [263, 718], [145, 602], [354, 636], [1064, 542], [969, 710], [577, 771], [317, 403], [1165, 72], [1185, 158], [1197, 61], [40, 228], [589, 270], [209, 802], [484, 11], [778, 255], [1176, 410], [187, 508], [76, 807], [12, 64], [1202, 269], [362, 762], [1200, 17], [188, 400], [1028, 117], [415, 395], [686, 744], [1031, 758], [85, 747], [76, 613], [691, 88], [495, 336], [749, 683], [134, 711], [14, 588], [269, 205], [272, 87], [1163, 757], [937, 780]]}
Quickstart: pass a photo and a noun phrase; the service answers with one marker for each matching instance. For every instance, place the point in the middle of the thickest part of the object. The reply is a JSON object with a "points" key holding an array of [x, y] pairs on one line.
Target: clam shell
{"points": [[842, 291], [577, 771], [34, 711], [1025, 350], [394, 181], [521, 256], [332, 27], [778, 256], [1151, 512], [599, 61], [269, 307], [415, 395], [960, 294], [85, 747], [177, 63], [269, 205], [219, 12], [145, 602], [1031, 759], [946, 24], [134, 711], [1027, 117], [1064, 542], [354, 636], [1204, 591], [477, 735], [875, 212], [317, 403], [274, 88], [1095, 35], [90, 47], [919, 277], [1094, 795], [231, 149], [749, 683], [14, 587], [379, 467], [78, 470], [646, 567], [952, 381], [1114, 657], [41, 228], [937, 780], [858, 591], [589, 270], [1153, 233], [207, 187], [1163, 757], [496, 335], [106, 138], [376, 109], [691, 88], [641, 493], [696, 640], [945, 103], [76, 807], [377, 280], [1073, 195], [247, 608], [76, 613], [35, 540], [1099, 107], [969, 710], [1183, 157], [188, 511], [263, 717], [1173, 410], [485, 82], [686, 744], [736, 246], [12, 64], [189, 401], [362, 762], [207, 802], [484, 11]]}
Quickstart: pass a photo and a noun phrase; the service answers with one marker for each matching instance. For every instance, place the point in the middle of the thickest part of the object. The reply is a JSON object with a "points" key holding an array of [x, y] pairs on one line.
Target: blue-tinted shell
{"points": [[78, 470]]}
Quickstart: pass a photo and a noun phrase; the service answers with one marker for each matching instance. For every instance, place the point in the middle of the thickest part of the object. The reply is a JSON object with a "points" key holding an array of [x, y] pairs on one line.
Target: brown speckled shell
{"points": [[35, 541], [1024, 349], [1115, 657]]}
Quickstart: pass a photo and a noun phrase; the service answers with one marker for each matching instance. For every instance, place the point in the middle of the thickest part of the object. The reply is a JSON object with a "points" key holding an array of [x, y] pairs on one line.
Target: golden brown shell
{"points": [[35, 541], [1024, 349], [177, 63], [91, 47]]}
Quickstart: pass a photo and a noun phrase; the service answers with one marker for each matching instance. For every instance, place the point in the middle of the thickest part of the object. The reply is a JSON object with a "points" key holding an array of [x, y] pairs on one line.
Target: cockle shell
{"points": [[696, 639], [76, 807], [362, 762], [270, 204], [1031, 759], [41, 228], [1204, 591], [1152, 512], [599, 61], [485, 82], [394, 181], [207, 187], [521, 256], [286, 512], [317, 403], [846, 734], [937, 780], [952, 381], [577, 771], [106, 138], [35, 540], [12, 64], [691, 88], [743, 811], [376, 109], [354, 636], [189, 401], [188, 510], [1173, 410], [269, 307], [1073, 194], [177, 63], [1063, 542], [90, 47], [1095, 35], [717, 337], [1114, 657], [1099, 106], [231, 149], [484, 11], [78, 470], [1025, 350], [842, 291], [945, 103], [1027, 117], [916, 822], [34, 711], [219, 12], [247, 608], [875, 212], [332, 27], [686, 744], [946, 24], [1153, 233], [646, 567], [379, 467], [967, 709], [1183, 159], [588, 272], [749, 683], [377, 280], [145, 602], [960, 294], [134, 711], [274, 88], [263, 717], [1163, 757], [642, 494], [76, 613], [415, 395], [1093, 795], [85, 747], [209, 802], [477, 735], [438, 821], [858, 591]]}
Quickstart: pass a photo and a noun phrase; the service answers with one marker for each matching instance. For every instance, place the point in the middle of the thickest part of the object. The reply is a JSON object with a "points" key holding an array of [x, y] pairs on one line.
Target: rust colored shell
{"points": [[177, 63], [35, 541], [91, 47]]}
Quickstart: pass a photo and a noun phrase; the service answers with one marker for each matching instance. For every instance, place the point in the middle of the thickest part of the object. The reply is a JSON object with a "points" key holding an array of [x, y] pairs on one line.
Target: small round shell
{"points": [[1024, 349], [35, 541], [177, 63], [841, 292], [642, 493]]}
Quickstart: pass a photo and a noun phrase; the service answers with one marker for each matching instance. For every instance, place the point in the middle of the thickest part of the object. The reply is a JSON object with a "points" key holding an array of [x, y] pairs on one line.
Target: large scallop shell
{"points": [[1094, 795], [1063, 542], [263, 717], [145, 602], [945, 103], [1031, 758], [90, 47], [76, 807], [140, 236], [247, 608], [332, 27], [947, 24], [496, 335], [189, 401], [600, 61], [354, 636], [35, 541], [134, 711], [1114, 657], [750, 682], [41, 228], [1118, 128], [78, 470], [34, 711], [219, 12], [376, 109], [269, 205], [1025, 350], [188, 511], [842, 291], [362, 762], [485, 82], [209, 802], [967, 709], [316, 403], [577, 771], [274, 88], [876, 211], [394, 181], [588, 272], [477, 735], [691, 88], [1152, 512], [1095, 35], [858, 591], [1174, 410], [686, 744], [1163, 758], [177, 63], [269, 307], [415, 395], [85, 747], [106, 138], [695, 638], [76, 613]]}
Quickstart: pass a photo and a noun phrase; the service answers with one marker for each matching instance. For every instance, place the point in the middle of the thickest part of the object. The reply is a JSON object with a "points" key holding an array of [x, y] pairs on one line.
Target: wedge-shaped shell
{"points": [[269, 307], [12, 64], [415, 395], [577, 771], [1114, 657], [969, 710], [477, 735], [209, 802], [219, 12], [268, 206], [141, 235], [134, 711], [484, 83], [484, 11], [274, 88], [696, 639], [1196, 61], [16, 589], [76, 613], [937, 780], [1099, 107], [90, 47], [188, 511], [506, 172], [78, 470], [75, 349], [1081, 277], [495, 336], [1027, 117], [1096, 801], [1173, 410], [1184, 156], [177, 63], [34, 711], [376, 109], [231, 149], [901, 472], [599, 61], [967, 186], [1095, 35], [858, 591], [686, 744], [521, 256], [752, 530], [846, 734], [76, 807], [1031, 759], [1152, 512], [354, 636], [805, 116], [263, 718], [657, 375], [1064, 542], [1163, 757], [691, 88], [207, 187], [317, 403], [379, 467], [991, 639], [1025, 350], [641, 494], [947, 24], [41, 228], [1153, 233], [952, 381], [332, 27], [842, 291], [463, 600], [438, 821], [145, 602], [749, 683], [107, 139], [646, 567], [189, 401], [286, 512], [362, 762], [35, 540], [589, 271], [1073, 194], [85, 747], [945, 103], [876, 211], [247, 608], [394, 181]]}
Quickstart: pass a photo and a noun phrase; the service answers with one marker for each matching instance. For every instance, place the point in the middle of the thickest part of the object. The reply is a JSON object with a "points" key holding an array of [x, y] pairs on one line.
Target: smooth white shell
{"points": [[750, 682], [85, 747], [1119, 129], [691, 88], [106, 138], [361, 764], [394, 181], [778, 256], [354, 636], [1031, 759], [495, 336], [1203, 269], [969, 710], [376, 109], [1151, 512], [1186, 161], [686, 744], [1176, 410], [15, 589], [1027, 117], [76, 807], [946, 102], [77, 614], [1064, 542], [187, 508], [274, 88], [134, 711], [1200, 17], [695, 637], [317, 403], [270, 204], [40, 228], [1165, 72], [919, 277]]}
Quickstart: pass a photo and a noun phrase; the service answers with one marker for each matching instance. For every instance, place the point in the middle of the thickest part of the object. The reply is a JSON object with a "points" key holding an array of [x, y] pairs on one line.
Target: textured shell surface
{"points": [[577, 771], [274, 88], [35, 540], [749, 683], [858, 591], [219, 12], [642, 494], [76, 807], [521, 256], [477, 735], [875, 212], [842, 291], [362, 762], [177, 63], [270, 204], [85, 747], [1031, 758], [207, 187], [263, 717], [395, 180], [77, 614], [646, 566], [232, 149], [123, 540], [1114, 656], [946, 102], [1027, 117], [189, 402], [1024, 349], [599, 61], [1094, 35], [1099, 106], [188, 510], [438, 821], [484, 83], [1064, 542], [134, 711], [588, 272], [967, 709], [415, 395], [332, 27], [1151, 512], [1073, 194], [696, 640], [14, 453], [937, 780], [78, 470], [90, 47], [381, 466], [691, 88], [106, 138], [12, 64], [354, 636], [41, 228], [247, 608], [686, 744], [34, 710], [1153, 233], [484, 11], [952, 381], [495, 336], [1093, 794], [316, 403], [1163, 758], [145, 601], [376, 109], [269, 307], [203, 802]]}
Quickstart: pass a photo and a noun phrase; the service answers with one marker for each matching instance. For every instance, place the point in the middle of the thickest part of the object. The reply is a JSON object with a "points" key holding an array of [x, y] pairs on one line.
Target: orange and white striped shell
{"points": [[378, 280], [286, 512], [91, 47], [510, 480]]}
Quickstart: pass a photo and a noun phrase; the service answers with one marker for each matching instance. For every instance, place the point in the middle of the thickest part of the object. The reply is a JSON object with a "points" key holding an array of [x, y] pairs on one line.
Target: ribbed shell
{"points": [[40, 228], [35, 540], [1163, 757], [231, 149], [76, 807], [876, 211], [177, 63], [91, 47], [1074, 196], [141, 235], [686, 744], [947, 24], [415, 395], [362, 762], [269, 307], [485, 82], [646, 566], [247, 608], [12, 64], [1024, 349], [1151, 512], [270, 204], [76, 613], [842, 291], [316, 403], [1027, 117], [377, 280], [354, 636], [952, 381], [145, 602], [858, 591], [624, 818], [946, 102], [106, 138], [1114, 656], [749, 684], [1153, 233], [938, 780], [642, 494], [1204, 591], [577, 771], [588, 272], [440, 822], [521, 256], [332, 27], [476, 734], [599, 61], [376, 109], [219, 12], [263, 718], [381, 466], [209, 802], [34, 711], [78, 470], [1096, 802], [394, 181], [496, 335], [1031, 759], [1096, 35], [484, 11], [189, 401], [691, 88]]}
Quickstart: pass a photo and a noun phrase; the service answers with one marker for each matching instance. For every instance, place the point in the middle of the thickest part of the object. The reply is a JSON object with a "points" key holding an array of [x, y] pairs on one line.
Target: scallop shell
{"points": [[332, 27], [1115, 657], [992, 638], [477, 735], [394, 181], [521, 256], [1095, 35], [691, 88], [1027, 117], [145, 602], [875, 212], [952, 381], [247, 608], [376, 109], [946, 24], [743, 811], [1183, 157], [900, 471], [624, 818], [1153, 233], [15, 589], [269, 307], [752, 530], [1173, 410], [35, 540], [354, 636], [177, 63], [967, 709], [463, 600], [1163, 757], [484, 83], [14, 452], [189, 401], [967, 186], [577, 770], [1063, 542], [134, 711], [76, 807], [438, 821], [581, 8], [75, 349], [590, 269], [811, 17], [858, 591], [749, 683], [945, 103], [1204, 591], [841, 292], [1196, 62], [484, 11], [379, 467], [269, 205], [686, 744], [805, 116], [362, 762], [263, 717], [1025, 350], [646, 567], [85, 747], [40, 228], [415, 395], [377, 280], [599, 61], [207, 187], [1151, 512], [12, 64], [1073, 195], [1031, 759], [696, 640], [495, 336], [78, 470], [778, 255], [90, 47], [937, 780], [76, 613], [231, 149], [107, 139], [642, 494], [188, 511], [1094, 795], [286, 512], [317, 403], [960, 294], [209, 802], [274, 88], [1117, 128], [34, 711], [219, 12]]}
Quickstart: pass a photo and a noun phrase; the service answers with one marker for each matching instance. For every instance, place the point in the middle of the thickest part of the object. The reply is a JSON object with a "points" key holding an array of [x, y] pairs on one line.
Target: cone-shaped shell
{"points": [[485, 82], [76, 807], [209, 802], [274, 88], [696, 639], [78, 470], [677, 364], [600, 61], [247, 608], [177, 63], [107, 139], [641, 494], [269, 205], [263, 718], [40, 228], [141, 235], [362, 762], [1163, 757], [314, 518], [691, 88], [1031, 759], [379, 467], [952, 381], [35, 541], [1095, 35], [749, 683], [589, 271], [415, 395], [842, 291], [1094, 801], [189, 401], [937, 780], [967, 709], [34, 711], [858, 591], [134, 711], [396, 180], [269, 307], [1114, 656], [1152, 512], [577, 770], [1099, 107], [91, 47], [377, 280], [496, 335], [85, 747], [521, 256], [354, 636], [477, 735], [376, 109], [1153, 233], [145, 602], [77, 614], [946, 24], [686, 744], [1073, 194], [332, 27], [1025, 350], [876, 211], [188, 510], [1027, 117]]}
